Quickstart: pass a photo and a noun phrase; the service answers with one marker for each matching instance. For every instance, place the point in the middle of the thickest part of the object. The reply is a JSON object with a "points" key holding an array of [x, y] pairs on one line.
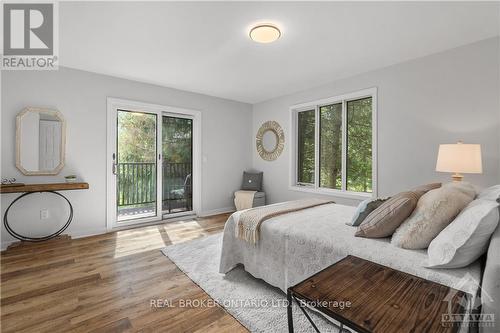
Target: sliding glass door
{"points": [[135, 166], [177, 165], [154, 168]]}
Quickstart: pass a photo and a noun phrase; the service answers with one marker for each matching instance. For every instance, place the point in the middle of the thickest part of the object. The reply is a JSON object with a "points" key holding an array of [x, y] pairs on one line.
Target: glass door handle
{"points": [[113, 166]]}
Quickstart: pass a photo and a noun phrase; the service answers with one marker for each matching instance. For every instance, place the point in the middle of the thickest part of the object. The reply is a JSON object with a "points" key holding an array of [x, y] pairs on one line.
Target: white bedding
{"points": [[293, 247]]}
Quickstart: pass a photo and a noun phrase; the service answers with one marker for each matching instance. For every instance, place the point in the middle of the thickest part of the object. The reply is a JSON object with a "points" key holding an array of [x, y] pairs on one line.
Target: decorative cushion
{"points": [[434, 211], [466, 238], [259, 195], [388, 216], [426, 188], [490, 193], [382, 221], [259, 199], [252, 181], [364, 209]]}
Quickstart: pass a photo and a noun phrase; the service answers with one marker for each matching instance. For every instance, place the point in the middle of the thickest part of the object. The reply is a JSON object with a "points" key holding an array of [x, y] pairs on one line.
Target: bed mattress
{"points": [[294, 246]]}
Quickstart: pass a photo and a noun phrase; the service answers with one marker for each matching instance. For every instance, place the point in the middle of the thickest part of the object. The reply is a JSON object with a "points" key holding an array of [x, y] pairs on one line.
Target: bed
{"points": [[294, 246]]}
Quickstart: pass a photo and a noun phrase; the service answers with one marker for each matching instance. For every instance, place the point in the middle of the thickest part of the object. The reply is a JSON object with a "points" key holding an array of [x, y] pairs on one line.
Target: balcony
{"points": [[137, 189]]}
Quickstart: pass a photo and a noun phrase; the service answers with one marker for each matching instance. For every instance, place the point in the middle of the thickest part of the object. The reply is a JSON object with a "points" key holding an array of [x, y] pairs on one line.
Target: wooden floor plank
{"points": [[47, 289], [105, 283], [26, 271]]}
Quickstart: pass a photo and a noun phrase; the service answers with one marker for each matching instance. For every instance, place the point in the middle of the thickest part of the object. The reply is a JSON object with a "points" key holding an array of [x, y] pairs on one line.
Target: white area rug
{"points": [[255, 304]]}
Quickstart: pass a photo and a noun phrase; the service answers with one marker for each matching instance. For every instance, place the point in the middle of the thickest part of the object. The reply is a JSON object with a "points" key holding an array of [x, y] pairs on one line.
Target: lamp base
{"points": [[457, 177]]}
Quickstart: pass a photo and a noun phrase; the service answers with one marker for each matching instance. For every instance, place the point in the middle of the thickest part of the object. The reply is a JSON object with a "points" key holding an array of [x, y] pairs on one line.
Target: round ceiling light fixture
{"points": [[265, 33]]}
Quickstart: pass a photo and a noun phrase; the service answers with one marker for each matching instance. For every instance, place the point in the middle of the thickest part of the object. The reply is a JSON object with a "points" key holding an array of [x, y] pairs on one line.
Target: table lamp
{"points": [[459, 158]]}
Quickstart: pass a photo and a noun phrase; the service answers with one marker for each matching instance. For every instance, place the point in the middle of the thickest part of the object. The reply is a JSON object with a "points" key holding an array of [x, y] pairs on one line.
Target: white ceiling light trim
{"points": [[265, 33]]}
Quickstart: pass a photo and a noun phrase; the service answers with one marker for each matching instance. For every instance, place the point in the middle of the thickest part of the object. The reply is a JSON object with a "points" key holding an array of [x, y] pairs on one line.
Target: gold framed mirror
{"points": [[270, 141], [40, 141]]}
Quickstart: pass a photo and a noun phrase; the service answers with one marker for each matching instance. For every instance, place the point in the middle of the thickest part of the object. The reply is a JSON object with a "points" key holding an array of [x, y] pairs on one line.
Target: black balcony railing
{"points": [[137, 185], [177, 188]]}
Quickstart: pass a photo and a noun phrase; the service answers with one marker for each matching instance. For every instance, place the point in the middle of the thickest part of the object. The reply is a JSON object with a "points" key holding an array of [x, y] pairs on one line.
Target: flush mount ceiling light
{"points": [[265, 33]]}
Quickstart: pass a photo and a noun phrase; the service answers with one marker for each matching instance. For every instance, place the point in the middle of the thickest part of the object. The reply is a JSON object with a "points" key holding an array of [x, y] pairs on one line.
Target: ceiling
{"points": [[204, 47]]}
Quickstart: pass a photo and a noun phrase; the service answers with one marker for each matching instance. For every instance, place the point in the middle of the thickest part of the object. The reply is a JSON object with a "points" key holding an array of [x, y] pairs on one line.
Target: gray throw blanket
{"points": [[249, 223]]}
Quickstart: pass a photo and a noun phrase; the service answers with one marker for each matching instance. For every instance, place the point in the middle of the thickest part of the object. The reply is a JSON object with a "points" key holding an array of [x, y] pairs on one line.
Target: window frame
{"points": [[293, 139]]}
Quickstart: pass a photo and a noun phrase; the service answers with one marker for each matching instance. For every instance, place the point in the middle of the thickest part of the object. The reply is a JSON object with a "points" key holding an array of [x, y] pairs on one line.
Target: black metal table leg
{"points": [[301, 306], [292, 298], [37, 239], [289, 311]]}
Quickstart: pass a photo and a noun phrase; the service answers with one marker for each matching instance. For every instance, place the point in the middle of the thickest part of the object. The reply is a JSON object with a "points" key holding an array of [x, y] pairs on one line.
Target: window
{"points": [[359, 145], [330, 145], [334, 145], [306, 147]]}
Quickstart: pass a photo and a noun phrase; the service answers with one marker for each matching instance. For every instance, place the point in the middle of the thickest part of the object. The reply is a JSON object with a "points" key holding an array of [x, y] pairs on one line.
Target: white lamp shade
{"points": [[459, 158]]}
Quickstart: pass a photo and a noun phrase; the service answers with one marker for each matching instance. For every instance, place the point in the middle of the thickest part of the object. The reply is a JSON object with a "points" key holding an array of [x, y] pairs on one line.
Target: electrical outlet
{"points": [[44, 214]]}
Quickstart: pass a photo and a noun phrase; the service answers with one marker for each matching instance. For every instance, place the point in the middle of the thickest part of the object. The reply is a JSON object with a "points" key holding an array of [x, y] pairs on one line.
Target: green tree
{"points": [[136, 137], [177, 139], [305, 161], [359, 145], [331, 146]]}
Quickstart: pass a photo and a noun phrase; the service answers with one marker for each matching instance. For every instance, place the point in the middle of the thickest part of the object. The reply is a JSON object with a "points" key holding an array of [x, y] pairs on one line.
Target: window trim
{"points": [[293, 139]]}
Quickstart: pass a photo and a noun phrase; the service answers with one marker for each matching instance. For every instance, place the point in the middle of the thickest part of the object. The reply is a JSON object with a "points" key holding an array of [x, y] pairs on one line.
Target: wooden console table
{"points": [[43, 187], [28, 189]]}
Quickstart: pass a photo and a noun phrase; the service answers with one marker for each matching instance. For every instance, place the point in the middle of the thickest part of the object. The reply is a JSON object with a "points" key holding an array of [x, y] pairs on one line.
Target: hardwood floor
{"points": [[106, 283]]}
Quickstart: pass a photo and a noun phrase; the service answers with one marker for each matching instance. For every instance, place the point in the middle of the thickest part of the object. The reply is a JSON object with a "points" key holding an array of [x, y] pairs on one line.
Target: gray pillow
{"points": [[388, 216], [466, 238], [364, 209], [490, 193], [252, 181]]}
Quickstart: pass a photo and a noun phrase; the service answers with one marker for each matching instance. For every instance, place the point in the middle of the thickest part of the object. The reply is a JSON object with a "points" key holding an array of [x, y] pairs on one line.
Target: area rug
{"points": [[255, 304]]}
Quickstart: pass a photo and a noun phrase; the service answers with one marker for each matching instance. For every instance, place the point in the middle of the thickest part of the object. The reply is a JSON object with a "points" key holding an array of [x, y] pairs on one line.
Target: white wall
{"points": [[437, 99], [81, 97]]}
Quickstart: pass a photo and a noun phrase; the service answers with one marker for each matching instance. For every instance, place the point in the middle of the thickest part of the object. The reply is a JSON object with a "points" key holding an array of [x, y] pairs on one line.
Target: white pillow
{"points": [[490, 193], [466, 238], [434, 211]]}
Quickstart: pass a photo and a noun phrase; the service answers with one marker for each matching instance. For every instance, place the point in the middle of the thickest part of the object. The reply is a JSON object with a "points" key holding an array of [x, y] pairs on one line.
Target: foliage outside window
{"points": [[342, 146], [177, 138], [136, 137], [306, 147], [330, 155], [359, 145]]}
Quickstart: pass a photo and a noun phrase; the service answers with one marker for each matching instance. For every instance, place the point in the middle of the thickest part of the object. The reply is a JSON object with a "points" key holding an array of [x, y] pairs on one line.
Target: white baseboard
{"points": [[73, 235], [6, 244], [88, 233], [216, 211]]}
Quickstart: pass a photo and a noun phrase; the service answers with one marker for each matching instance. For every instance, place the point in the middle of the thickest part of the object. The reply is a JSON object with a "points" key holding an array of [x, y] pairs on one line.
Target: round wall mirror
{"points": [[270, 140]]}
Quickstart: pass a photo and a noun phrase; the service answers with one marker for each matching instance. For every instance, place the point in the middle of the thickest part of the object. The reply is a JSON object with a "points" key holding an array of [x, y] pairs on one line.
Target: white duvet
{"points": [[294, 246]]}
